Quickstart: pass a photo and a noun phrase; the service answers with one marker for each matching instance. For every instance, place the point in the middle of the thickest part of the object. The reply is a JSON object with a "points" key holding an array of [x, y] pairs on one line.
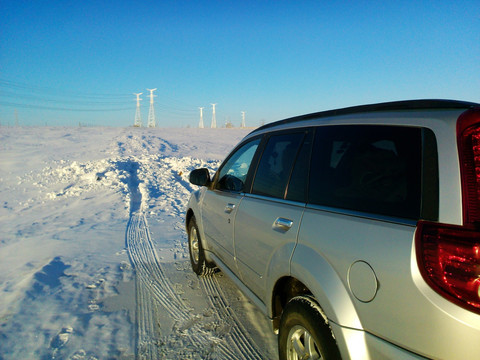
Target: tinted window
{"points": [[430, 195], [297, 186], [276, 164], [233, 172], [374, 169]]}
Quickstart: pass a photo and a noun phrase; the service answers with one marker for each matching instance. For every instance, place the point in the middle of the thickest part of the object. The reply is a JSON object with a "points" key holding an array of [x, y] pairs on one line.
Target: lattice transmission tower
{"points": [[200, 124], [151, 112], [214, 120], [138, 116]]}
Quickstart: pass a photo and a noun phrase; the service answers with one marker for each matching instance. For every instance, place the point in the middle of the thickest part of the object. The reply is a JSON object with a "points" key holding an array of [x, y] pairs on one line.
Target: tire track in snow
{"points": [[239, 336], [156, 294], [154, 290], [146, 331]]}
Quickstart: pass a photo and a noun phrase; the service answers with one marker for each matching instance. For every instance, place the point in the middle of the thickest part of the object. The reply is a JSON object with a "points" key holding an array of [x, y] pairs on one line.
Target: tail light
{"points": [[449, 260], [449, 255], [468, 139]]}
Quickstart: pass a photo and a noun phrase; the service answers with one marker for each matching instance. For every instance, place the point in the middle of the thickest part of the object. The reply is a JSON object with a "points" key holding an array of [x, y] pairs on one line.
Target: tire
{"points": [[197, 255], [304, 333]]}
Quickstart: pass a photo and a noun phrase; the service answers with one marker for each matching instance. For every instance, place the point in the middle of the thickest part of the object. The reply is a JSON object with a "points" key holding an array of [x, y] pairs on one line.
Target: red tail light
{"points": [[449, 260], [468, 139], [449, 255]]}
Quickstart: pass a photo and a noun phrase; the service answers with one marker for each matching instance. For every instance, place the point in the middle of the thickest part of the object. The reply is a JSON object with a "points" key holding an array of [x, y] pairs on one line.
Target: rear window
{"points": [[368, 168]]}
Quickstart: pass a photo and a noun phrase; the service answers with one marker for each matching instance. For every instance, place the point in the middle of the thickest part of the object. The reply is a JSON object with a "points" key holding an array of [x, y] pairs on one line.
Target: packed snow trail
{"points": [[155, 293]]}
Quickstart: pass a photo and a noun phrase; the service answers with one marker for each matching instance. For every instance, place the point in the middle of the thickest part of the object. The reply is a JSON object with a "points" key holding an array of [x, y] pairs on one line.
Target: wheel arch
{"points": [[285, 289], [311, 275], [326, 285]]}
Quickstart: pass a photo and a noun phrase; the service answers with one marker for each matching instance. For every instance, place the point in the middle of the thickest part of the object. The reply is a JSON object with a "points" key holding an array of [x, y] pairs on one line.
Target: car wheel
{"points": [[304, 333], [197, 255]]}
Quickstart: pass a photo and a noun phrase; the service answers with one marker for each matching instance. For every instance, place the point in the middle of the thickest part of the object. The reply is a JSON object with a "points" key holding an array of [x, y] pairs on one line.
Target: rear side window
{"points": [[368, 168], [298, 185], [276, 164]]}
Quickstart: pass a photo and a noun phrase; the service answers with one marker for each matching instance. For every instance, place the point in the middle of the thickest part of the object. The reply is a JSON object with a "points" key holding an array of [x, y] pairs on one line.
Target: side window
{"points": [[369, 168], [233, 172], [276, 163], [297, 187]]}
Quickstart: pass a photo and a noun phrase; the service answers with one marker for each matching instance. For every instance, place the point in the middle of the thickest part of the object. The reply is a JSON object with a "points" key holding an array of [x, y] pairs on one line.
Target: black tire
{"points": [[195, 248], [303, 324]]}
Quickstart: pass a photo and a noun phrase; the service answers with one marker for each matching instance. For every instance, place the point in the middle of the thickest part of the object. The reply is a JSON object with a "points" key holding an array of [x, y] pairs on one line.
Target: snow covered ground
{"points": [[93, 253]]}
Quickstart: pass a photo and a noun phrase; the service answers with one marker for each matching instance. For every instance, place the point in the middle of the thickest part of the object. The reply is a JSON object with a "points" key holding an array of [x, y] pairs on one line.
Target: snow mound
{"points": [[162, 181]]}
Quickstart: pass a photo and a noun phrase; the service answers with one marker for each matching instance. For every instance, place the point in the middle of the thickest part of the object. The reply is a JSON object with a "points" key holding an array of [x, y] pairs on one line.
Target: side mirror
{"points": [[200, 177]]}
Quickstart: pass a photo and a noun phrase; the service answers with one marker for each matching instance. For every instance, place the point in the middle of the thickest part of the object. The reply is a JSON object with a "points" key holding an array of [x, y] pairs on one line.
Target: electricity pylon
{"points": [[151, 111], [243, 119], [214, 120], [138, 117], [200, 125]]}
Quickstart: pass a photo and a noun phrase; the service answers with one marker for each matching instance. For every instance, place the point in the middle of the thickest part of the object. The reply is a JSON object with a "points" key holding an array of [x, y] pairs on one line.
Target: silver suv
{"points": [[356, 231]]}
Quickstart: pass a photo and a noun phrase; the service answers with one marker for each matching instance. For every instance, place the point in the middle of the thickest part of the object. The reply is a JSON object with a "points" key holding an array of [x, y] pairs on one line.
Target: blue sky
{"points": [[69, 62]]}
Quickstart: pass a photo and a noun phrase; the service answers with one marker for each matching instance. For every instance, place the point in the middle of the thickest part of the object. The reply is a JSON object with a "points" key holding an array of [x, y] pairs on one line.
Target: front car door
{"points": [[220, 203]]}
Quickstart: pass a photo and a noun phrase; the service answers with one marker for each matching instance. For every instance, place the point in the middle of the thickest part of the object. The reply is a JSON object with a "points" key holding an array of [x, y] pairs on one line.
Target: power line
{"points": [[56, 108], [59, 99], [57, 92], [22, 96]]}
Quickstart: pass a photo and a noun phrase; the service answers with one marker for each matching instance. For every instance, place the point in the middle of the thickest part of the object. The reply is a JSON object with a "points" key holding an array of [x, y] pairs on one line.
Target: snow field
{"points": [[93, 254]]}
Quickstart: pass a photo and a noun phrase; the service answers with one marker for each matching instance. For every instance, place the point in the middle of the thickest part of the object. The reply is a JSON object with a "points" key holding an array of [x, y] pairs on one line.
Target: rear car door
{"points": [[268, 219], [365, 196], [220, 203]]}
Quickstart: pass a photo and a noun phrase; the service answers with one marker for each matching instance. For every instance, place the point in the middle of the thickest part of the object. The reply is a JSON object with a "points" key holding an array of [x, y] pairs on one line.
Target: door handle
{"points": [[229, 208], [283, 224]]}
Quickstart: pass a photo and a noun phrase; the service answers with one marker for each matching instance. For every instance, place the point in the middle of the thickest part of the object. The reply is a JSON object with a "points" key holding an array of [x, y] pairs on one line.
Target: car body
{"points": [[356, 230]]}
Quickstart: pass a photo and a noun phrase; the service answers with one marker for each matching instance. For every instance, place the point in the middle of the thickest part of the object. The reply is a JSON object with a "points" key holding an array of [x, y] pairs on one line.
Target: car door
{"points": [[268, 219], [220, 203], [364, 200]]}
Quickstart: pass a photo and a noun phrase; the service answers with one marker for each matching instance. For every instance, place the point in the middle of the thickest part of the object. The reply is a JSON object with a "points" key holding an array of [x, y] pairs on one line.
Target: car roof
{"points": [[426, 104]]}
